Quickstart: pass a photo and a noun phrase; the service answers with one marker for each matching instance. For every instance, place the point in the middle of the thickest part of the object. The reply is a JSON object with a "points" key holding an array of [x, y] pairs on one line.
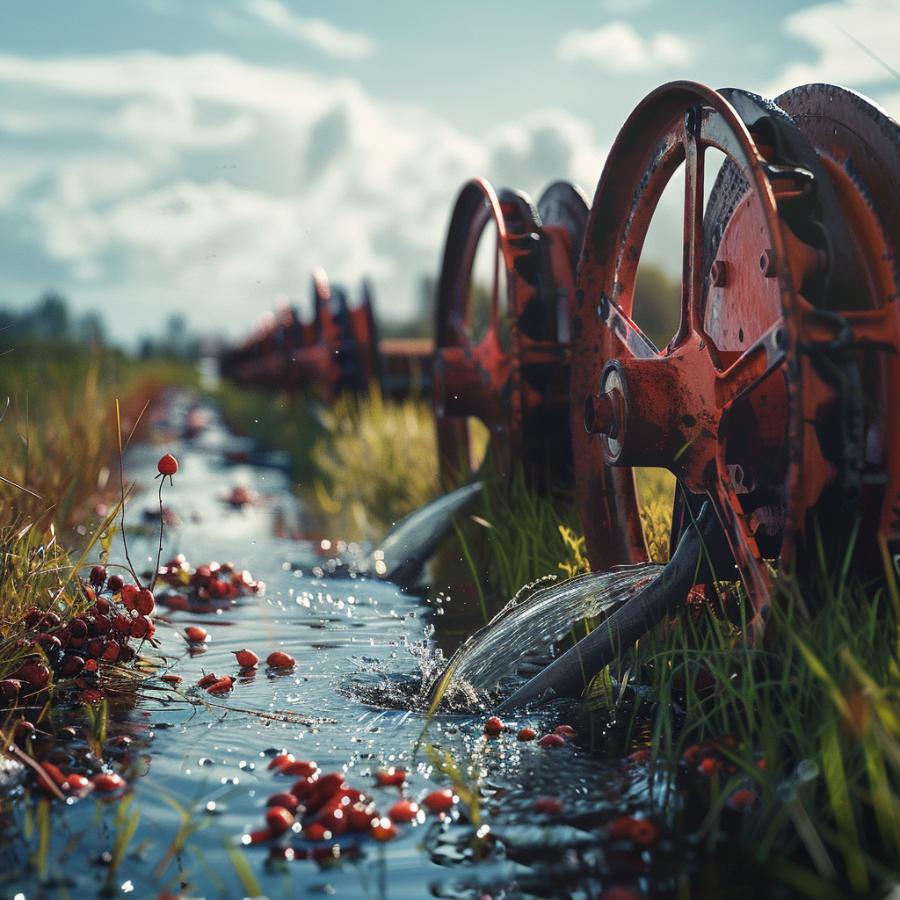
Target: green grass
{"points": [[361, 464], [818, 702], [58, 439]]}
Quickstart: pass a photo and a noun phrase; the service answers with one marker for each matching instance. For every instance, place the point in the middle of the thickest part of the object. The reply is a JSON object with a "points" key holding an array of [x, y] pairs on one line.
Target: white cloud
{"points": [[618, 47], [315, 32], [835, 32], [206, 185]]}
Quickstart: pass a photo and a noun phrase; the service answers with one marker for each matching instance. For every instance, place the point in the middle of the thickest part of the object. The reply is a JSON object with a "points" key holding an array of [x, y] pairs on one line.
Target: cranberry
{"points": [[383, 830], [552, 740], [284, 799], [299, 767], [280, 660], [390, 777], [223, 686], [144, 603], [279, 819], [246, 658], [360, 816], [24, 730], [279, 761], [108, 782], [115, 583], [440, 801], [171, 679], [142, 627], [261, 836], [493, 726], [316, 831], [564, 730], [33, 672], [526, 734], [403, 811], [71, 666], [196, 635], [9, 688], [167, 465], [129, 595], [98, 576]]}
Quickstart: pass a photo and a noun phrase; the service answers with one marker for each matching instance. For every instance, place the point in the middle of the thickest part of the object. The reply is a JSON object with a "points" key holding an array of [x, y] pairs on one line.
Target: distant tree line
{"points": [[50, 320]]}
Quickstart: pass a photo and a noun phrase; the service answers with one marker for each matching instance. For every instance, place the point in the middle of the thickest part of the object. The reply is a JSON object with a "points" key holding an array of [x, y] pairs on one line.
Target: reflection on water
{"points": [[365, 661]]}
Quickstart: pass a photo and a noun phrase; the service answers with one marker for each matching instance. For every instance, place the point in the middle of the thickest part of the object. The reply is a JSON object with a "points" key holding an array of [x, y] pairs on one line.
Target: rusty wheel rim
{"points": [[479, 377], [859, 146], [672, 407]]}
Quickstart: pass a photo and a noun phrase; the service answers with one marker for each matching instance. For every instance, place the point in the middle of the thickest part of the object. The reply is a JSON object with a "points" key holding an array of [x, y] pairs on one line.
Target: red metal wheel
{"points": [[714, 406], [512, 376], [859, 147], [314, 363]]}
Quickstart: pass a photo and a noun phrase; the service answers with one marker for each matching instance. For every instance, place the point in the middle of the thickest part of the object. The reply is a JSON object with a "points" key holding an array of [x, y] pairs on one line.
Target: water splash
{"points": [[522, 637]]}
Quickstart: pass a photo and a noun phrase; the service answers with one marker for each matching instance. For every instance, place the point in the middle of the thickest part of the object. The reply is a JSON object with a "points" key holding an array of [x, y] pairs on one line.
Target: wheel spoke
{"points": [[691, 274], [755, 573], [752, 366], [626, 330]]}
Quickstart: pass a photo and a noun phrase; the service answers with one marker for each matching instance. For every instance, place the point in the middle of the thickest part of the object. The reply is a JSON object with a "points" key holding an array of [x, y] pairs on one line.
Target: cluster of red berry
{"points": [[278, 661], [52, 780], [76, 650], [207, 587], [321, 807], [494, 727]]}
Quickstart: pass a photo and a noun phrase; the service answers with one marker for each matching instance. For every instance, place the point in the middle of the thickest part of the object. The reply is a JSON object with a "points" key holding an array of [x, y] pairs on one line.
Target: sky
{"points": [[200, 157]]}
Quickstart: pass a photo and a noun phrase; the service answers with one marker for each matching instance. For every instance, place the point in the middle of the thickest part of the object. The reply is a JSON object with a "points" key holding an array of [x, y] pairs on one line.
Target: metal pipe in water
{"points": [[568, 675]]}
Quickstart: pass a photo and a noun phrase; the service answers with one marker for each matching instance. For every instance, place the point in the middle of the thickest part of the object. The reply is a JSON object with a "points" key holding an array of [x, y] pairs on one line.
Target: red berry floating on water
{"points": [[98, 576], [390, 777], [107, 783], [550, 806], [299, 767], [383, 830], [493, 726], [404, 811], [78, 782], [280, 660], [208, 679], [316, 831], [246, 658], [526, 734], [552, 740], [224, 685], [564, 730], [171, 679], [167, 465], [279, 761], [196, 635], [115, 583], [440, 801], [279, 819], [285, 800]]}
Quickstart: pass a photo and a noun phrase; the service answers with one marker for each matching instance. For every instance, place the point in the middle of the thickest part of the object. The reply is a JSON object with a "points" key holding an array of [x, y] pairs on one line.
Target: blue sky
{"points": [[198, 157]]}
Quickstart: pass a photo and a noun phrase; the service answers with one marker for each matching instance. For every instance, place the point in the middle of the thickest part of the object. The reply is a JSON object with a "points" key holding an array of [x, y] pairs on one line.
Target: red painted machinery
{"points": [[505, 364], [337, 350], [772, 399]]}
